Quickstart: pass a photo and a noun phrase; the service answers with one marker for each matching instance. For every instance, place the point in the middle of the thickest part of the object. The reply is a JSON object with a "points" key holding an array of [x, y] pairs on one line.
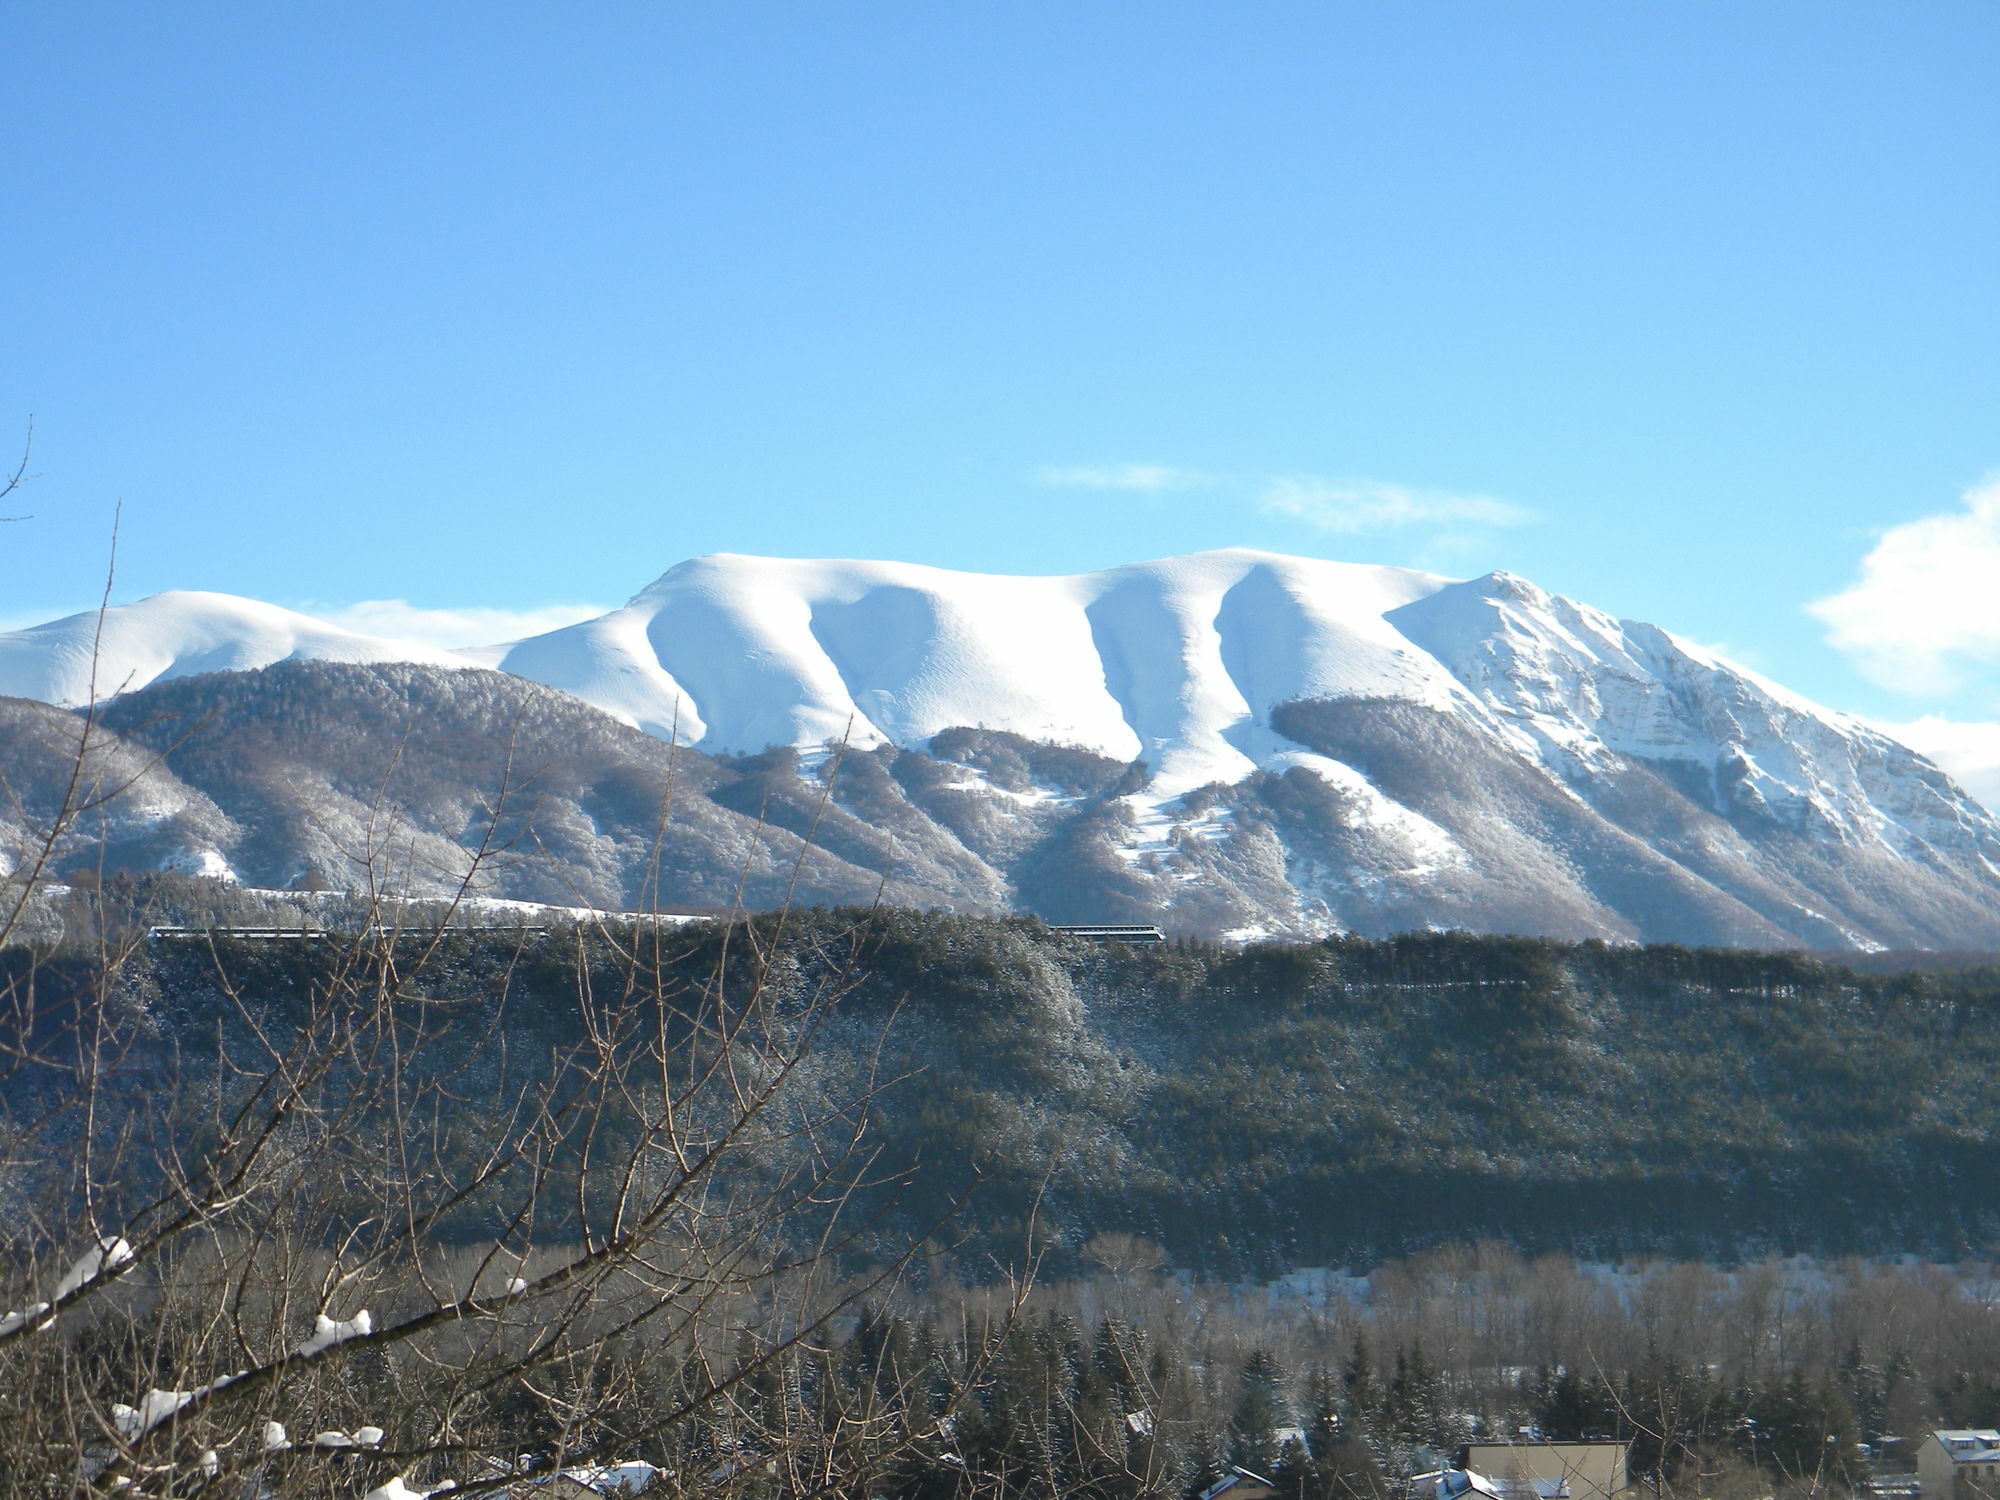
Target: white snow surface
{"points": [[1177, 662]]}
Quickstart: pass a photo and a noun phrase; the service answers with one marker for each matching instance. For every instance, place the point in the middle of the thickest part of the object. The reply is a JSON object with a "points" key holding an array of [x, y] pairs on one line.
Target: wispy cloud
{"points": [[1150, 479], [1354, 505], [1330, 505], [1921, 617], [401, 620]]}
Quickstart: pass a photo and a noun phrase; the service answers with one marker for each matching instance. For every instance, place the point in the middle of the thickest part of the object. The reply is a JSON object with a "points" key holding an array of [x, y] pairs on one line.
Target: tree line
{"points": [[763, 1203]]}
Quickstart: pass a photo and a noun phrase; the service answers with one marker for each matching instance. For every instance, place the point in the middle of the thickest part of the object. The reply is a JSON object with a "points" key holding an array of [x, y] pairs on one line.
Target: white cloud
{"points": [[1350, 505], [1148, 479], [1969, 752], [400, 620], [1923, 610]]}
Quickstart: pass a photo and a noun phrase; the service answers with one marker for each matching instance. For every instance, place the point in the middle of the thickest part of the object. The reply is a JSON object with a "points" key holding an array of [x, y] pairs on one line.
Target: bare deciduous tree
{"points": [[369, 1217]]}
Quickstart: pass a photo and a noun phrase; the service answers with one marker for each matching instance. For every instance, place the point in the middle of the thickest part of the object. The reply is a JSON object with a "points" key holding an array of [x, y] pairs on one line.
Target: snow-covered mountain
{"points": [[1316, 745], [82, 657], [1177, 663]]}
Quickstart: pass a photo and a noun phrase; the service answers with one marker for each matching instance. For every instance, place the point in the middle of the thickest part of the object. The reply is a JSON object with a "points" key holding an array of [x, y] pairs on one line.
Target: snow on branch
{"points": [[330, 1331], [106, 1258], [133, 1422], [361, 1437], [156, 1406]]}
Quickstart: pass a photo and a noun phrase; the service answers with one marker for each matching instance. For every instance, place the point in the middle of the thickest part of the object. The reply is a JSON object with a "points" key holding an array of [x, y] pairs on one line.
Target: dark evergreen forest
{"points": [[1260, 1109]]}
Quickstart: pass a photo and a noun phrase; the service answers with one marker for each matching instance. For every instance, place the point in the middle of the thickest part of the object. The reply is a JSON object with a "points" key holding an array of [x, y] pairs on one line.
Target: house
{"points": [[1239, 1484], [1453, 1484], [1550, 1471], [1959, 1463]]}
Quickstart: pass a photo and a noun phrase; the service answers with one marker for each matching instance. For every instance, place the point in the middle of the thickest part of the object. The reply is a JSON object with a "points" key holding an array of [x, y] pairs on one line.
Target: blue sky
{"points": [[1679, 309]]}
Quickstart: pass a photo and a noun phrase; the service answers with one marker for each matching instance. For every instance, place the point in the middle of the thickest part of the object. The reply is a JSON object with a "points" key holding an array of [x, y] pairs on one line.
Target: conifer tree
{"points": [[1361, 1402], [1324, 1399], [1413, 1407]]}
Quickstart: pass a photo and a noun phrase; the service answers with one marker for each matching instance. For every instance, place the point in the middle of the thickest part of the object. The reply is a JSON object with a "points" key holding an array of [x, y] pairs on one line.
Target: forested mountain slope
{"points": [[1316, 1104]]}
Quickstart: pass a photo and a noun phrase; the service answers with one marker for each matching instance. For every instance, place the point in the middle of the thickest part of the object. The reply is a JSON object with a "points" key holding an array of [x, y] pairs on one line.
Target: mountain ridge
{"points": [[1300, 746]]}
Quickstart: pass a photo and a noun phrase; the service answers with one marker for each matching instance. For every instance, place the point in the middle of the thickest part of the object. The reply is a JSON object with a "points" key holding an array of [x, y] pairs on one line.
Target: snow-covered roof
{"points": [[1453, 1484], [1465, 1484], [1229, 1481], [1970, 1445]]}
